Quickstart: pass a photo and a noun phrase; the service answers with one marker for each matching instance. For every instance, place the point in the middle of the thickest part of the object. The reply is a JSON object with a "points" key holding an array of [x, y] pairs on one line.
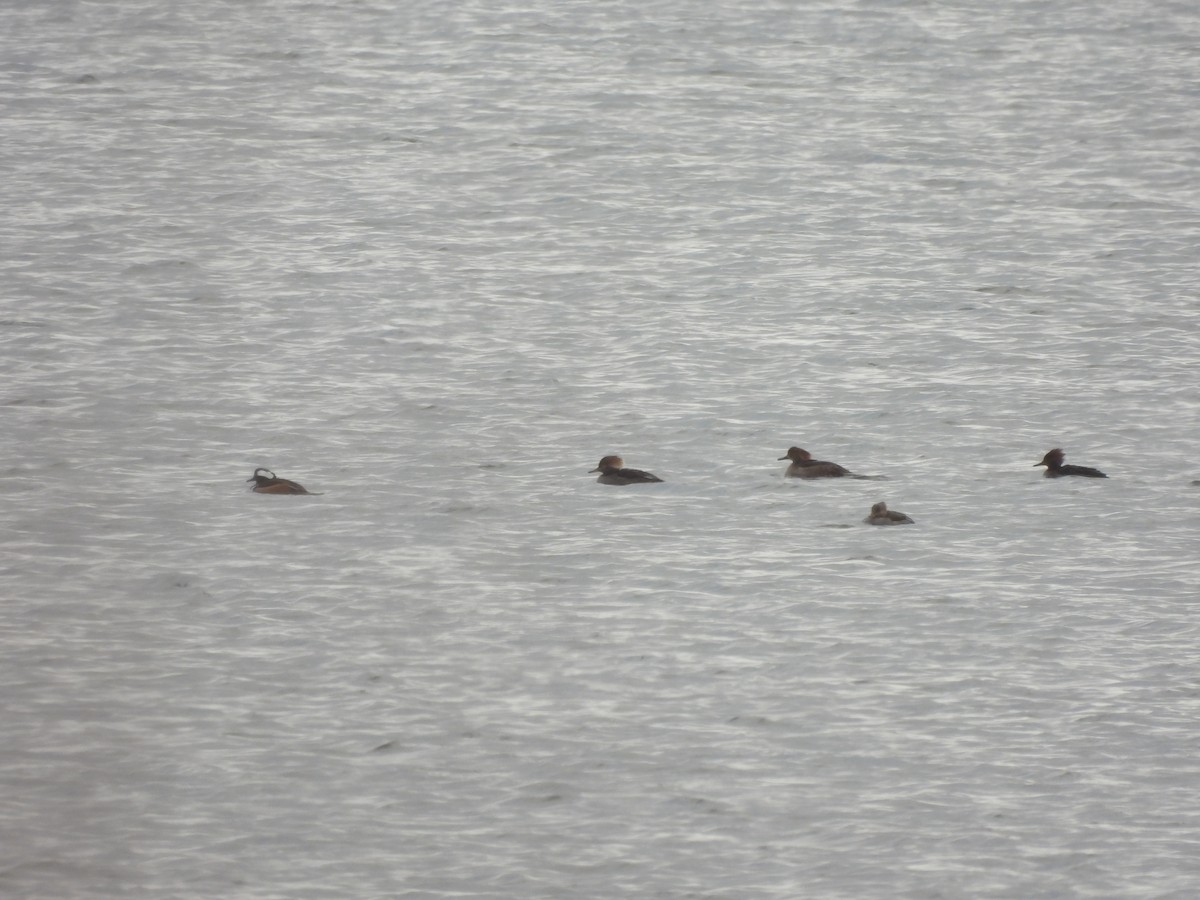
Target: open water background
{"points": [[434, 260]]}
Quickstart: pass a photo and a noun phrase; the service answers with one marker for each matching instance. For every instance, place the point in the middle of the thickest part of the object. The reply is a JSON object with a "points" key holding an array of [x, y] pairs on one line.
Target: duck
{"points": [[881, 515], [804, 466], [266, 482], [612, 471], [1053, 461]]}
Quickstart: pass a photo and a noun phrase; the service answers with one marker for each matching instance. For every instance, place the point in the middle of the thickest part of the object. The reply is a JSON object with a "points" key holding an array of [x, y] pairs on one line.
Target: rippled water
{"points": [[434, 261]]}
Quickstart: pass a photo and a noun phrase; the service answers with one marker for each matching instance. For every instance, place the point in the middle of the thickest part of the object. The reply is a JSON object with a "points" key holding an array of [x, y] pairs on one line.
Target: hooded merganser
{"points": [[804, 466], [1053, 461], [270, 484], [881, 515], [611, 472]]}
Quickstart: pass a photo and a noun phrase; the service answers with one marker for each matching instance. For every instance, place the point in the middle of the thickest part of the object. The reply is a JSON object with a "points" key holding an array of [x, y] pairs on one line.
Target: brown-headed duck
{"points": [[881, 515], [804, 466], [265, 482], [612, 471], [1053, 461]]}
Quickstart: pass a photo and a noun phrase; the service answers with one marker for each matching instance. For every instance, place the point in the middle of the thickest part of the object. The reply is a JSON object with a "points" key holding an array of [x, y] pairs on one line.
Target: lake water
{"points": [[435, 260]]}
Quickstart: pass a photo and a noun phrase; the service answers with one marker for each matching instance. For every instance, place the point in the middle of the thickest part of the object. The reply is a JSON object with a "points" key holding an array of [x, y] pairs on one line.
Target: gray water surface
{"points": [[434, 261]]}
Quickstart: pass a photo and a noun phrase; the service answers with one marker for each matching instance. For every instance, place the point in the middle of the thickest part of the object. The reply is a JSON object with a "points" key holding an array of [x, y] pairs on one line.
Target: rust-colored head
{"points": [[609, 462], [1053, 459], [797, 454]]}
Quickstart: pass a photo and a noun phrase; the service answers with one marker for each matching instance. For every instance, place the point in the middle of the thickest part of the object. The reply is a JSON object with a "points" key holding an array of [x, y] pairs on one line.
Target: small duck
{"points": [[881, 515], [265, 482], [1053, 461], [804, 466], [612, 471]]}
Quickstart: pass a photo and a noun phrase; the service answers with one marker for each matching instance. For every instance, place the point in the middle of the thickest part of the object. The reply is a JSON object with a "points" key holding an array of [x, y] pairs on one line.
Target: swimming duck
{"points": [[268, 483], [612, 472], [804, 466], [881, 515], [1053, 461]]}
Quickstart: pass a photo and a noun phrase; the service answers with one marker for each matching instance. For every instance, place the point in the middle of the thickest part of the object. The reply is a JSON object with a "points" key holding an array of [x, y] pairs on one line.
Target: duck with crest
{"points": [[266, 482], [612, 471], [804, 466], [1053, 461]]}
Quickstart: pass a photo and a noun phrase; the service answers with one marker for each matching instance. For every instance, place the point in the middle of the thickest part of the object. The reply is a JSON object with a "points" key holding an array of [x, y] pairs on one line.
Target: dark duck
{"points": [[881, 515], [266, 482], [804, 466], [1053, 461], [612, 471]]}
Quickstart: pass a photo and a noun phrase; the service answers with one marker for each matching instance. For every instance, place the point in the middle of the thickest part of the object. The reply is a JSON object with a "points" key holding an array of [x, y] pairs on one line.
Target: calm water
{"points": [[434, 261]]}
